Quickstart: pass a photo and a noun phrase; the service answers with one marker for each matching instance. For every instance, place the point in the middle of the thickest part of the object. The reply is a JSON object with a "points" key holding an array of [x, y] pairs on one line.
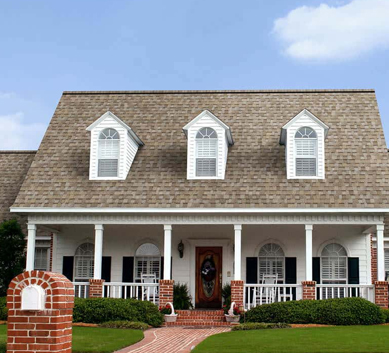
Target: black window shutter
{"points": [[316, 269], [67, 267], [128, 269], [162, 267], [106, 269], [353, 270], [290, 270], [251, 270]]}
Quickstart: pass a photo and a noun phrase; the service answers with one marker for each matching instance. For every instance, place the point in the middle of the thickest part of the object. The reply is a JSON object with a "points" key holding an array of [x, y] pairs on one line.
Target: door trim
{"points": [[227, 256]]}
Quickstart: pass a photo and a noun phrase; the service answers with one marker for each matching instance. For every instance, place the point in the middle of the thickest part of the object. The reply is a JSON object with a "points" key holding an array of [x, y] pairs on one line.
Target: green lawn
{"points": [[93, 339], [355, 339]]}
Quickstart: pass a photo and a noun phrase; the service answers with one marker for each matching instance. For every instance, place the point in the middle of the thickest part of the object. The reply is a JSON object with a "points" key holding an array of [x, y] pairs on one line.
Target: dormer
{"points": [[304, 137], [113, 148], [208, 142]]}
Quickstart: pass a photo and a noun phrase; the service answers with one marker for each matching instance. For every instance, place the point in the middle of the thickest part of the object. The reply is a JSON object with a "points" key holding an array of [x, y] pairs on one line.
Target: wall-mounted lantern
{"points": [[181, 248]]}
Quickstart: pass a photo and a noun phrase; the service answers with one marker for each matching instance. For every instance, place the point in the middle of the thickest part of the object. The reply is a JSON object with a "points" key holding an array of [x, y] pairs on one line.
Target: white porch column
{"points": [[99, 230], [30, 262], [308, 252], [167, 246], [238, 252], [380, 253]]}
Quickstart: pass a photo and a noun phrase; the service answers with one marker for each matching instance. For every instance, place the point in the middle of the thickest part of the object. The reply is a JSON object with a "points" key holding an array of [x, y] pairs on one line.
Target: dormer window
{"points": [[109, 152], [113, 148], [306, 152], [208, 142], [303, 137], [206, 152]]}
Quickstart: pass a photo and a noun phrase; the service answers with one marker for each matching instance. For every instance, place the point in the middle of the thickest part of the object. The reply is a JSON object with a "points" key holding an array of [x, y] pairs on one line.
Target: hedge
{"points": [[345, 311], [130, 325], [386, 315], [259, 326], [3, 308], [99, 310]]}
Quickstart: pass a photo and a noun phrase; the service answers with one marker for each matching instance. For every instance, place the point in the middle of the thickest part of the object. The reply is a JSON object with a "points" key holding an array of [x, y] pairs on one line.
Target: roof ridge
{"points": [[226, 91], [18, 152]]}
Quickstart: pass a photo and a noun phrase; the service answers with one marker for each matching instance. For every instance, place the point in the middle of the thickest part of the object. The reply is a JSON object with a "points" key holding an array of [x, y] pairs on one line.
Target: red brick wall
{"points": [[309, 290], [41, 331], [51, 251], [381, 293], [165, 291], [373, 261], [237, 291]]}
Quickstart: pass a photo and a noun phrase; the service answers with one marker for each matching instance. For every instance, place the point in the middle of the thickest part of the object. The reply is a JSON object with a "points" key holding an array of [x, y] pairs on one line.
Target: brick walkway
{"points": [[172, 339]]}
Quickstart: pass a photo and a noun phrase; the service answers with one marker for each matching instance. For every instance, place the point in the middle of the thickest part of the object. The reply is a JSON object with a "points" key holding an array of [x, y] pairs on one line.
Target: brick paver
{"points": [[172, 339]]}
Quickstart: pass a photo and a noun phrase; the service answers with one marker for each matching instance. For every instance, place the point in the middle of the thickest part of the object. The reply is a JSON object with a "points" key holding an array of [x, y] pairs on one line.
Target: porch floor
{"points": [[172, 340]]}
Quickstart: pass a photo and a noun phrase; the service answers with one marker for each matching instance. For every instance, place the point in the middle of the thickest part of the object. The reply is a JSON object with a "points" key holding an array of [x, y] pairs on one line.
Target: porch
{"points": [[115, 255]]}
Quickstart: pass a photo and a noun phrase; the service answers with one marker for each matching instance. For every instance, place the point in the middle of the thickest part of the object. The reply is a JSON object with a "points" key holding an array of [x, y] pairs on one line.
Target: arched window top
{"points": [[305, 133], [334, 250], [206, 132], [86, 249], [148, 249], [271, 250], [109, 134]]}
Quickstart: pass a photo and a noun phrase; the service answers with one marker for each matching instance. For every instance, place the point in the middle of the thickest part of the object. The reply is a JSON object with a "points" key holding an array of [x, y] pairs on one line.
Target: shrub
{"points": [[226, 295], [181, 298], [259, 326], [2, 348], [3, 308], [385, 312], [99, 310], [130, 325], [345, 311]]}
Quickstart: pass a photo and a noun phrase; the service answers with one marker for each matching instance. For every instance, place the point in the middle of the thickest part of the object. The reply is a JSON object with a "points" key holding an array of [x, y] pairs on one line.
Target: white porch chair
{"points": [[149, 293], [267, 295]]}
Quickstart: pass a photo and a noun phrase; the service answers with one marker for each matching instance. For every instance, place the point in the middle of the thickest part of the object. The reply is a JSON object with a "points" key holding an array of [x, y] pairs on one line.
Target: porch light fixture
{"points": [[181, 248]]}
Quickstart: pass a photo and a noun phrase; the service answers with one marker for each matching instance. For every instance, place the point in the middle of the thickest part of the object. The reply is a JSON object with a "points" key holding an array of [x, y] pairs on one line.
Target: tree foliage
{"points": [[12, 252]]}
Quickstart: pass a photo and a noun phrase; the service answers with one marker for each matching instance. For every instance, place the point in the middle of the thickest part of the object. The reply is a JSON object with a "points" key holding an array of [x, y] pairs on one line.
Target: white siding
{"points": [[207, 121], [128, 149], [304, 120]]}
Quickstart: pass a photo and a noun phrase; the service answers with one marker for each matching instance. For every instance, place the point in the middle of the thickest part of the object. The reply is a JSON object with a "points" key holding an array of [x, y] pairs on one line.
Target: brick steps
{"points": [[199, 318]]}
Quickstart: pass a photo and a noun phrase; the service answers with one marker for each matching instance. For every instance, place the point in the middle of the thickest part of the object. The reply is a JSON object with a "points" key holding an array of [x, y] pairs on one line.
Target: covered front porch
{"points": [[266, 258]]}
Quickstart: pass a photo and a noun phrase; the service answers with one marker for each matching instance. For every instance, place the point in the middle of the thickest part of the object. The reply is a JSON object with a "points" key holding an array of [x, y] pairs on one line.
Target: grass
{"points": [[340, 339], [93, 339]]}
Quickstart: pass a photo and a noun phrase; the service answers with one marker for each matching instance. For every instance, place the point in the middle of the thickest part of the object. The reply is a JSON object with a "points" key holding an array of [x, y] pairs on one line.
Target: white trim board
{"points": [[192, 210]]}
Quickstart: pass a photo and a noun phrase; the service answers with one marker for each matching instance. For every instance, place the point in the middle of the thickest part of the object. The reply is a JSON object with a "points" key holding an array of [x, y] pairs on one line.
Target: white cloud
{"points": [[6, 95], [19, 135], [335, 33]]}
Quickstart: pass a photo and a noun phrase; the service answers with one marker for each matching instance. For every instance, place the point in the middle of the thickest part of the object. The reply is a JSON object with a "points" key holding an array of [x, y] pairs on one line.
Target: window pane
{"points": [[206, 167], [305, 166], [207, 148], [108, 168], [41, 259], [306, 147], [108, 149]]}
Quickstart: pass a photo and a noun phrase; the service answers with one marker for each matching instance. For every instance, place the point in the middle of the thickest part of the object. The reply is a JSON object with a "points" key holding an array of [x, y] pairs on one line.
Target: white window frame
{"points": [[306, 156], [269, 260], [88, 257], [98, 155], [334, 280], [148, 259], [197, 156]]}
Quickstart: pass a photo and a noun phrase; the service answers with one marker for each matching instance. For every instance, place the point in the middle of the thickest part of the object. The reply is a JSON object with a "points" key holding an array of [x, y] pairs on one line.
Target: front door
{"points": [[208, 277]]}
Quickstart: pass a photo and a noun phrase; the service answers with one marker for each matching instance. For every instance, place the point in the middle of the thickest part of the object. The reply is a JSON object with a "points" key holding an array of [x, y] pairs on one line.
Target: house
{"points": [[284, 194]]}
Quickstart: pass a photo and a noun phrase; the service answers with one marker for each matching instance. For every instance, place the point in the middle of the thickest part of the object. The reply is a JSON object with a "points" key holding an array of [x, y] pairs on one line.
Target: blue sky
{"points": [[47, 47]]}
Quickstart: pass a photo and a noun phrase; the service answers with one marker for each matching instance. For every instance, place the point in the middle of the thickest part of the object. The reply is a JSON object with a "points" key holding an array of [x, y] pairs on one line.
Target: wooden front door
{"points": [[208, 277]]}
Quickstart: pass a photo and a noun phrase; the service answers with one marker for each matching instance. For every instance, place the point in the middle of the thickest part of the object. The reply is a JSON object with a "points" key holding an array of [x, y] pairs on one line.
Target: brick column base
{"points": [[309, 290], [381, 293], [47, 330], [96, 288], [165, 291], [237, 291]]}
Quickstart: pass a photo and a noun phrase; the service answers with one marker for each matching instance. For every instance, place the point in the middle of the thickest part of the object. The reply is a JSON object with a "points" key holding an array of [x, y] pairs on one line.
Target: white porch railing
{"points": [[329, 291], [258, 294], [81, 289], [139, 291]]}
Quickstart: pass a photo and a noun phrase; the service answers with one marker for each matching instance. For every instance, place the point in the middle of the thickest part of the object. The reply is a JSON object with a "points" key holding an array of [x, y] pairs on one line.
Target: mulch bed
{"points": [[309, 325]]}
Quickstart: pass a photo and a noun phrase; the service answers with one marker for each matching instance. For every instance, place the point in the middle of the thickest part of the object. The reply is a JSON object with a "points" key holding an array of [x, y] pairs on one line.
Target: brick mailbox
{"points": [[40, 311]]}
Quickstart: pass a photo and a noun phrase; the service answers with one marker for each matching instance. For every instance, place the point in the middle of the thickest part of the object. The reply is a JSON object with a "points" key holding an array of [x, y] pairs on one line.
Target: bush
{"points": [[3, 309], [2, 348], [99, 310], [126, 325], [226, 295], [345, 311], [181, 298], [259, 326], [385, 312]]}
